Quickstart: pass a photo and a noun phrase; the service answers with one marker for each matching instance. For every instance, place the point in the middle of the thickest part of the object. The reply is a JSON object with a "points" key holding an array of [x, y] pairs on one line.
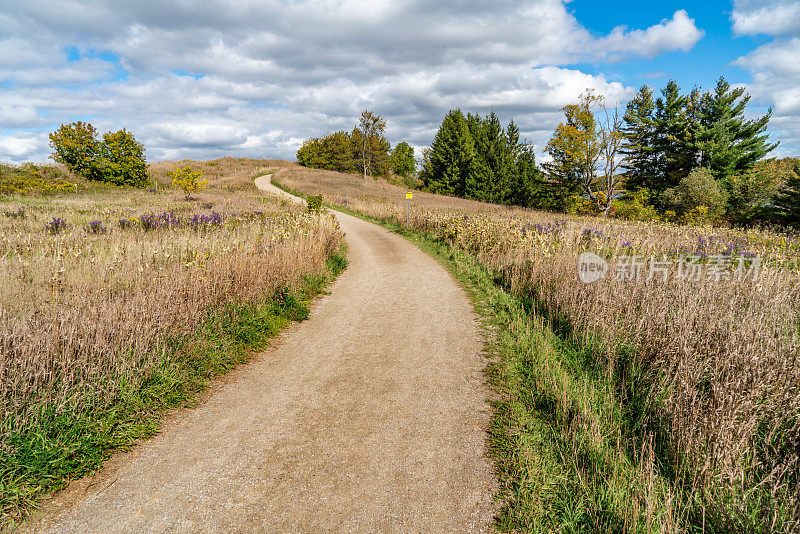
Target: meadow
{"points": [[120, 303], [664, 397]]}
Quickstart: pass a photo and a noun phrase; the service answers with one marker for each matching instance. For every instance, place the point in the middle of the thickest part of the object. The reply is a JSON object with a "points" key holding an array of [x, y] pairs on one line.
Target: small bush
{"points": [[34, 179], [314, 203], [188, 180], [635, 207], [698, 216], [578, 205], [697, 189]]}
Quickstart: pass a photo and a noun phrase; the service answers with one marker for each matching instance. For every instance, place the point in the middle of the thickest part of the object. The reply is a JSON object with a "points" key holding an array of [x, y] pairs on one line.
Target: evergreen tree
{"points": [[490, 179], [675, 155], [452, 156], [514, 166], [786, 204], [639, 146], [478, 185], [529, 186], [728, 142]]}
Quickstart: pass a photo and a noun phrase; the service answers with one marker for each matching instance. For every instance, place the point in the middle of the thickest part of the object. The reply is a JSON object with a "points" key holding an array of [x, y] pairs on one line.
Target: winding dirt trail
{"points": [[368, 417]]}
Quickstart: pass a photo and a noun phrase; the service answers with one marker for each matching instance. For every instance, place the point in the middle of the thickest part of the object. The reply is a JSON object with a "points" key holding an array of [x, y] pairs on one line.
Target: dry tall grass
{"points": [[82, 313], [707, 371]]}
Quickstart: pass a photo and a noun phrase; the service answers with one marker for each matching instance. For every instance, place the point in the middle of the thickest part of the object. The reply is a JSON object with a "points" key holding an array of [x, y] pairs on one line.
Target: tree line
{"points": [[476, 157], [364, 150], [687, 157]]}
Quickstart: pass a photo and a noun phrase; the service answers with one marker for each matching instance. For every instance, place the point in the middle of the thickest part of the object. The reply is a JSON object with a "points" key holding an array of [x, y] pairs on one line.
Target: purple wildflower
{"points": [[57, 225], [95, 227]]}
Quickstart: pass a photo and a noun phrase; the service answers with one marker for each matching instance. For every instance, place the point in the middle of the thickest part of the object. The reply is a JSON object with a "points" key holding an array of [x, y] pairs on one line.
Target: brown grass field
{"points": [[679, 408], [87, 315]]}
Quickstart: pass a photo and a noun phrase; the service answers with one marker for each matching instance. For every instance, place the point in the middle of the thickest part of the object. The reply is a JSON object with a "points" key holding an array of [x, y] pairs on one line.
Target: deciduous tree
{"points": [[587, 152], [371, 127], [117, 159], [402, 160], [190, 181], [76, 146], [122, 159]]}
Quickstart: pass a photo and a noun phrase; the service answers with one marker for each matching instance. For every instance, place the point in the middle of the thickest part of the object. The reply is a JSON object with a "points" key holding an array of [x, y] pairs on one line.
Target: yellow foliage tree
{"points": [[188, 180], [585, 150]]}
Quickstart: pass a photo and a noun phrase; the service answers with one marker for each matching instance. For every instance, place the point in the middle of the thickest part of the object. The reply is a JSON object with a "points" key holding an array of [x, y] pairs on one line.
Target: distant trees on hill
{"points": [[693, 157], [336, 152], [363, 150], [476, 157]]}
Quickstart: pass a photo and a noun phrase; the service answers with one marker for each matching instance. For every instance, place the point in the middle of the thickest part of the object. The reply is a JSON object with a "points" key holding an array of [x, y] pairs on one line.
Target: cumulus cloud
{"points": [[775, 66], [212, 78], [753, 17], [678, 33], [21, 147]]}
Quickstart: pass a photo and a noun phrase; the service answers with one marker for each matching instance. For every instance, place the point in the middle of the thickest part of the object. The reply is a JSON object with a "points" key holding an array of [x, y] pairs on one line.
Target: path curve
{"points": [[368, 417]]}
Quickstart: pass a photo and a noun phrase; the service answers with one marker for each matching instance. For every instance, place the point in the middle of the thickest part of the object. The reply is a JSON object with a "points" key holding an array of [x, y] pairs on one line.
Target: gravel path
{"points": [[368, 417]]}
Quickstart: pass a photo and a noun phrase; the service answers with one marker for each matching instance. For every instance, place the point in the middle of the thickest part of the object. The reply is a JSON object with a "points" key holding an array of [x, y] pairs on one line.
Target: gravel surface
{"points": [[368, 417]]}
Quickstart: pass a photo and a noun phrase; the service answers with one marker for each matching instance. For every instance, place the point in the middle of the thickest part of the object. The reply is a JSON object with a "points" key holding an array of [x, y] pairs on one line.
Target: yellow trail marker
{"points": [[409, 195]]}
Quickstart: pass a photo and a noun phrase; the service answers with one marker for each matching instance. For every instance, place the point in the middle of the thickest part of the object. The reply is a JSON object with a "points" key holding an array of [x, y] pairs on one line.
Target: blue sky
{"points": [[227, 77], [711, 57]]}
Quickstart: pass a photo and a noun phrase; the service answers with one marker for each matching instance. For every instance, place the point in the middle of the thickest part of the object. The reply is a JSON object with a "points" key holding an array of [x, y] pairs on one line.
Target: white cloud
{"points": [[678, 33], [752, 17], [22, 147], [775, 66], [204, 79], [13, 116]]}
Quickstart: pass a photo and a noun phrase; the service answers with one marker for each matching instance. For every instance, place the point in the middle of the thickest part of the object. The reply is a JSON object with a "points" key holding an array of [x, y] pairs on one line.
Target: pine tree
{"points": [[676, 156], [528, 185], [639, 131], [514, 171], [452, 156], [728, 142], [478, 184], [489, 181], [786, 204]]}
